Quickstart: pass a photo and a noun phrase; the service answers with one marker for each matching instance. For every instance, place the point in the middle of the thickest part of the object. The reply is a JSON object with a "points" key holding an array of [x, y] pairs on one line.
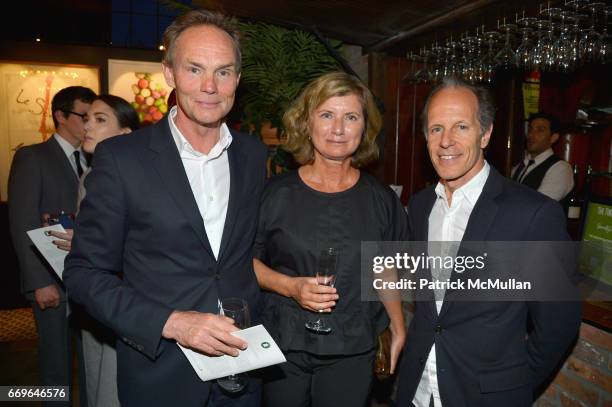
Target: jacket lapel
{"points": [[480, 222], [167, 162], [422, 234], [237, 160], [60, 157]]}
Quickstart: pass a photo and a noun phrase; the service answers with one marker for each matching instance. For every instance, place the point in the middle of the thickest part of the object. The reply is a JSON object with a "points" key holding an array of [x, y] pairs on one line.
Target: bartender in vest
{"points": [[541, 169]]}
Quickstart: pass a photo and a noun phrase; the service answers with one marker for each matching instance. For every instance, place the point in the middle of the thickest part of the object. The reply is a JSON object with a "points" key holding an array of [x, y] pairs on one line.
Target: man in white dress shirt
{"points": [[174, 209], [44, 180], [541, 169], [475, 353]]}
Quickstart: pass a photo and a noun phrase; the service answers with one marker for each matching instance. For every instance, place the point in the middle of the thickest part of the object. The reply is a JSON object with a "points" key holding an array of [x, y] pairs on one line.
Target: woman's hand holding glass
{"points": [[312, 296]]}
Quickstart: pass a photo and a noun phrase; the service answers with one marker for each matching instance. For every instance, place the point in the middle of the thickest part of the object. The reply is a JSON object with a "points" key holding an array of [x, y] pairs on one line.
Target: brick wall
{"points": [[585, 380]]}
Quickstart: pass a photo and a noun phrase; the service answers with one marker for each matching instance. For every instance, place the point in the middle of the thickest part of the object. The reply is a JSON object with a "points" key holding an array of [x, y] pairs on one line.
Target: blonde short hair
{"points": [[297, 118]]}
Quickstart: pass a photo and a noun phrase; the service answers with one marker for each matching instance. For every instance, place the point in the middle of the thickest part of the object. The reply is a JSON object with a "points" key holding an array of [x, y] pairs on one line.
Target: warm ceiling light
{"points": [[37, 39], [161, 48]]}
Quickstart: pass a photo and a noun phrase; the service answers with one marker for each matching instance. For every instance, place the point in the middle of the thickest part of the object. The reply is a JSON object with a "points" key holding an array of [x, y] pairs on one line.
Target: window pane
{"points": [[120, 30], [144, 34]]}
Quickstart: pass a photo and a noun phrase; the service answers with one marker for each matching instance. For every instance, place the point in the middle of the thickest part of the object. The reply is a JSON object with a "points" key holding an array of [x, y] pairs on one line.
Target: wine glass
{"points": [[468, 67], [522, 52], [486, 66], [540, 54], [604, 51], [326, 275], [423, 75], [238, 310], [591, 40], [436, 71], [450, 60], [506, 57], [565, 55]]}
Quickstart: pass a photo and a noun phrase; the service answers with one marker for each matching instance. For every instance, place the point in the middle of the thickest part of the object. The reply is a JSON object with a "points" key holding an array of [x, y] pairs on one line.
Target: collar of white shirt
{"points": [[540, 158], [185, 148], [470, 191], [69, 151]]}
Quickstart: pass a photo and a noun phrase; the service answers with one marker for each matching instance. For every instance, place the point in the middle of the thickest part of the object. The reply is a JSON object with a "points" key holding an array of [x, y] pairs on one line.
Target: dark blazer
{"points": [[41, 181], [140, 218], [483, 356]]}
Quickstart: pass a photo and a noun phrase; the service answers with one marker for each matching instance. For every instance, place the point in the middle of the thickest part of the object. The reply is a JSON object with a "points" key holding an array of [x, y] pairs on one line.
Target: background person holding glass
{"points": [[327, 203]]}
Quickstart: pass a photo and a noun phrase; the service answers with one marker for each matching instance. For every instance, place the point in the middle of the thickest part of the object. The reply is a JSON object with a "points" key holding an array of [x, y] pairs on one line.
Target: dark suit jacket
{"points": [[483, 357], [140, 218], [41, 181]]}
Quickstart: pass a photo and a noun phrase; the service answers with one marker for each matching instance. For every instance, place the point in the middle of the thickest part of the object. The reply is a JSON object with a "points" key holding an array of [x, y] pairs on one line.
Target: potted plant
{"points": [[277, 64]]}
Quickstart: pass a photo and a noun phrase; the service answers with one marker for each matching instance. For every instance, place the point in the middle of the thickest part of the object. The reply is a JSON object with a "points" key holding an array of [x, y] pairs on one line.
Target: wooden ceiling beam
{"points": [[440, 20]]}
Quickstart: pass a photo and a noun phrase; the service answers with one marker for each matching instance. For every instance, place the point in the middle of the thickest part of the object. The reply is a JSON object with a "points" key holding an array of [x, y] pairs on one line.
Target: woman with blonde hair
{"points": [[329, 202]]}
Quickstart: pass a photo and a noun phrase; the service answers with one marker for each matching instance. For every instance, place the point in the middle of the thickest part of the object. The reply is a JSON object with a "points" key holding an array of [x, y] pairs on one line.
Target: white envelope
{"points": [[44, 243], [261, 352]]}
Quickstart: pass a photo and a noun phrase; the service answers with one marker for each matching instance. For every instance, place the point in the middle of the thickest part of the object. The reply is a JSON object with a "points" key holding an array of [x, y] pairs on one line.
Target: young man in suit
{"points": [[174, 208], [44, 179], [468, 353]]}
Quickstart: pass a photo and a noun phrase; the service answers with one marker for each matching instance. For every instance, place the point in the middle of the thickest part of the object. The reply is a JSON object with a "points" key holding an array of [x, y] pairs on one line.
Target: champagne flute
{"points": [[238, 310], [326, 275]]}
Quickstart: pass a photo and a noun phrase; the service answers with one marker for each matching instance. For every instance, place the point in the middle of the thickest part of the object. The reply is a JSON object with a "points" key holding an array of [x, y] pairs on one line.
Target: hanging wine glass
{"points": [[523, 51], [506, 57], [549, 36], [590, 41], [468, 69], [563, 52], [578, 17], [437, 68], [450, 59], [540, 53], [488, 62], [575, 37], [479, 41], [423, 75], [410, 77]]}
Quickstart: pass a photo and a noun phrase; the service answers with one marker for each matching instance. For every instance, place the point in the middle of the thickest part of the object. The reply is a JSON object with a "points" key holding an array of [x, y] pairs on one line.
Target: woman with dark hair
{"points": [[107, 117], [327, 203]]}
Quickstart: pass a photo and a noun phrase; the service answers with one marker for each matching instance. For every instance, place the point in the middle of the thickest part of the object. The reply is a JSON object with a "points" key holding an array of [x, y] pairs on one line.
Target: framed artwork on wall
{"points": [[26, 91], [142, 84]]}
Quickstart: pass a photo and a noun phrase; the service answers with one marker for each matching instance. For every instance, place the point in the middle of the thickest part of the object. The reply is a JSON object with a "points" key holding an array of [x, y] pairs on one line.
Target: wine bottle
{"points": [[574, 204]]}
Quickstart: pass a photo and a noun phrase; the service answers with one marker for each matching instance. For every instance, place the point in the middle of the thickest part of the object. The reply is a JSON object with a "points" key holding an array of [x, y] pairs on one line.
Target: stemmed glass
{"points": [[424, 75], [590, 43], [238, 310], [562, 48], [436, 71], [550, 61], [486, 66], [540, 53], [326, 275], [450, 60], [468, 66], [604, 51], [506, 57], [523, 51]]}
